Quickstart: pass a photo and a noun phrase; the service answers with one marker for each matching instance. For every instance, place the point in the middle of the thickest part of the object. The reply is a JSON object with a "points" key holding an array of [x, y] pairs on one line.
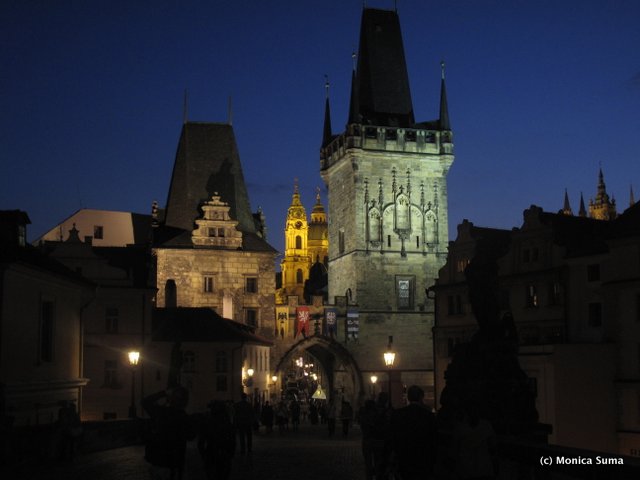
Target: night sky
{"points": [[541, 94]]}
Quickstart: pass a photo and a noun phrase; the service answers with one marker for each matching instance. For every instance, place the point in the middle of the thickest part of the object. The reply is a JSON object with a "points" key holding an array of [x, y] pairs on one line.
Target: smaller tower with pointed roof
{"points": [[602, 208]]}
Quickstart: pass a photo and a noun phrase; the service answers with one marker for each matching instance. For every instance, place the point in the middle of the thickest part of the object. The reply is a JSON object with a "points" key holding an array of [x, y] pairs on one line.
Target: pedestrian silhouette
{"points": [[216, 442], [244, 418], [413, 437], [170, 430], [266, 417], [346, 415]]}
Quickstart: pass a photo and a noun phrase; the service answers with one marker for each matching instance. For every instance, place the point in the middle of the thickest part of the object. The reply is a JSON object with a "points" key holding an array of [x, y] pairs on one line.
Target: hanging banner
{"points": [[330, 322], [303, 317], [353, 324], [282, 321]]}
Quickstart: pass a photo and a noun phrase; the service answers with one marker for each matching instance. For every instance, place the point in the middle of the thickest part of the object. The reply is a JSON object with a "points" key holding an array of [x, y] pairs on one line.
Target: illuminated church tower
{"points": [[305, 244], [296, 262], [387, 203]]}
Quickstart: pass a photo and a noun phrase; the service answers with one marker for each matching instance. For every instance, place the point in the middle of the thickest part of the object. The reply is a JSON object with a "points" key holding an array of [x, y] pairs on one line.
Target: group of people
{"points": [[171, 428], [396, 443], [404, 443]]}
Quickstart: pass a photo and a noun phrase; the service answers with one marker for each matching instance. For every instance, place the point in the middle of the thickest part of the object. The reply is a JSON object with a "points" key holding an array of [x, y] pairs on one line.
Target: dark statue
{"points": [[484, 373]]}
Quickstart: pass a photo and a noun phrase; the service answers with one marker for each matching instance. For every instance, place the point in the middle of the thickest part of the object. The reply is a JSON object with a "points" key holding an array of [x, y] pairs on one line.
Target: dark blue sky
{"points": [[541, 93]]}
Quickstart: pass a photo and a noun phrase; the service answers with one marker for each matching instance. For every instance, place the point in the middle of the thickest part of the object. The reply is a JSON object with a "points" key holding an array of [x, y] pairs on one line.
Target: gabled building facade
{"points": [[210, 250]]}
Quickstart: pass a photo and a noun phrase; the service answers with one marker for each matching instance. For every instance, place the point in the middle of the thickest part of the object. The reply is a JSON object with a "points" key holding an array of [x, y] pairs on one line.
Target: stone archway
{"points": [[337, 362]]}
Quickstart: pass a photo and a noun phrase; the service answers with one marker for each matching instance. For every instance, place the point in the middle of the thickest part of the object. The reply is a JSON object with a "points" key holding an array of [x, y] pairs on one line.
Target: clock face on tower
{"points": [[298, 224]]}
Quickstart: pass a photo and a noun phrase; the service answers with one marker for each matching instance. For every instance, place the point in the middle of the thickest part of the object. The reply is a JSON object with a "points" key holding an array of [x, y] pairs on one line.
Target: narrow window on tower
{"points": [[404, 292], [298, 242], [299, 279], [208, 284], [341, 241], [418, 241], [251, 317], [389, 241]]}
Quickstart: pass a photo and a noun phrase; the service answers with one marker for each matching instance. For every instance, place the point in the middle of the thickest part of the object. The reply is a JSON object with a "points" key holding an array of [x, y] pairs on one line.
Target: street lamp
{"points": [[374, 379], [134, 358], [389, 354]]}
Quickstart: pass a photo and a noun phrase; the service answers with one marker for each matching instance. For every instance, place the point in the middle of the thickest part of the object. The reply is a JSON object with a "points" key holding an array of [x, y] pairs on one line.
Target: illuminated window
{"points": [[404, 292], [555, 293], [251, 285], [532, 296], [98, 231], [208, 284], [461, 264], [111, 315]]}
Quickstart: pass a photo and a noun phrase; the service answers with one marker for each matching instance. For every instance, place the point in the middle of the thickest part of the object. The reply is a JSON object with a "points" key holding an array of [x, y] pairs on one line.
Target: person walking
{"points": [[367, 418], [331, 417], [217, 442], [244, 418], [346, 415], [266, 417], [294, 408], [413, 437], [171, 428]]}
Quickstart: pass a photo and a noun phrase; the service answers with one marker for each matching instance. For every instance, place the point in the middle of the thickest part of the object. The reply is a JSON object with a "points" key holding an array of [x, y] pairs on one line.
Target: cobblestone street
{"points": [[308, 453]]}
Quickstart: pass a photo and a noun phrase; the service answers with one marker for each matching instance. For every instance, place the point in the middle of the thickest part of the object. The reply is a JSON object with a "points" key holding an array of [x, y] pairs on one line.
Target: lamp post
{"points": [[374, 379], [274, 379], [134, 358], [389, 359]]}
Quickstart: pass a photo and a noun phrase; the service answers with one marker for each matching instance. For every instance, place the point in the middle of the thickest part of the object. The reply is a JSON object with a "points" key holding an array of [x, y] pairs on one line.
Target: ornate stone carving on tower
{"points": [[387, 181]]}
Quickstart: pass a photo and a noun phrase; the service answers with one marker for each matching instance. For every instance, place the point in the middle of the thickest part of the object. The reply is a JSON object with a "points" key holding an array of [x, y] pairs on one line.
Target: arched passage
{"points": [[341, 370]]}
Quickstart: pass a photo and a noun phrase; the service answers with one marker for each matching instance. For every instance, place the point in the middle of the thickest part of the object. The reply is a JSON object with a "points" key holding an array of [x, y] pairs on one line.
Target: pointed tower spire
{"points": [[445, 124], [566, 209], [326, 133], [632, 201], [583, 211]]}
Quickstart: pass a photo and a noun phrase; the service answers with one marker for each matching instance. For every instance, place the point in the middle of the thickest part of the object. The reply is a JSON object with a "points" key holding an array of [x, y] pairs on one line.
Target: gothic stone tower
{"points": [[386, 177]]}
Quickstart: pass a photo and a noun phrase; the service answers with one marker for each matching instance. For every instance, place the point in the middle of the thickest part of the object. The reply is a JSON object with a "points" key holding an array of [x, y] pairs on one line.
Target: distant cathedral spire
{"points": [[602, 207], [566, 209], [583, 211], [632, 201]]}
